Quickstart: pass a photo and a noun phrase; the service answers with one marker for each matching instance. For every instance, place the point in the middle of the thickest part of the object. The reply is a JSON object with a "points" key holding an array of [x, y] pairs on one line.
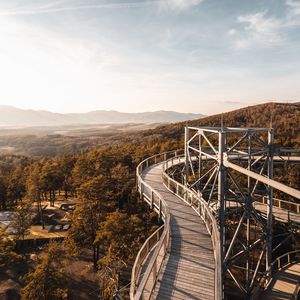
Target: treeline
{"points": [[283, 117]]}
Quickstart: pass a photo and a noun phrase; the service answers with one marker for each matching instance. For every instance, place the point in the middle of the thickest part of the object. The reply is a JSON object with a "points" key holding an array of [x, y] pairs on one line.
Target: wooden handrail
{"points": [[142, 289], [201, 207], [143, 254], [282, 204]]}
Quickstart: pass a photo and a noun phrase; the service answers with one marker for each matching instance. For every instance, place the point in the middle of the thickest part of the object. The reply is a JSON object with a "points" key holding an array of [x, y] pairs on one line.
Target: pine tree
{"points": [[22, 218], [8, 256], [47, 281]]}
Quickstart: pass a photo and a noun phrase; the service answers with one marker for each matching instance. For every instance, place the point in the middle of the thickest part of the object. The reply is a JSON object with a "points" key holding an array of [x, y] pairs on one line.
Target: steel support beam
{"points": [[221, 199], [234, 162], [272, 183], [270, 202]]}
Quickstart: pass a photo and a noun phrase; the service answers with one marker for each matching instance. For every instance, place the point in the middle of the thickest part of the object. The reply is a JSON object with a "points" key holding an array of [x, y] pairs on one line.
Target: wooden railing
{"points": [[203, 210], [283, 204], [278, 264], [157, 244]]}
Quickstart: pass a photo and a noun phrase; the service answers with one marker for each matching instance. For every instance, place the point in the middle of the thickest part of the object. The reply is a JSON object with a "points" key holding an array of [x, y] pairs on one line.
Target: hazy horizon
{"points": [[226, 109], [93, 110]]}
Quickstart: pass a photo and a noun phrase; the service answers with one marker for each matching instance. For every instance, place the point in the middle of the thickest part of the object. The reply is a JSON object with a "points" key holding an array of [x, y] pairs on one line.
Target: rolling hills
{"points": [[14, 117], [284, 118]]}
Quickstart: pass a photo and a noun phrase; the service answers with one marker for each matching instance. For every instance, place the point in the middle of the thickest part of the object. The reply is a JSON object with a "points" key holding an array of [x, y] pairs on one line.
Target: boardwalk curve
{"points": [[181, 260], [188, 270]]}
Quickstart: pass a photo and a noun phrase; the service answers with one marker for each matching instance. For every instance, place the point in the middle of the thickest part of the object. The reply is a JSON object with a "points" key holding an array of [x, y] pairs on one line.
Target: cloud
{"points": [[259, 30], [180, 4], [294, 7], [232, 32], [58, 8], [293, 15]]}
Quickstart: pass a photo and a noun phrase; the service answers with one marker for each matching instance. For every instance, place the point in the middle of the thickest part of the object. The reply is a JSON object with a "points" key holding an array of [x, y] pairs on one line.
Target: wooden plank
{"points": [[188, 271], [284, 284]]}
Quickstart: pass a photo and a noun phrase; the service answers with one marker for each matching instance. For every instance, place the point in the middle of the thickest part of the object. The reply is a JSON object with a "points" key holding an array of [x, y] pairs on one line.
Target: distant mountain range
{"points": [[14, 117]]}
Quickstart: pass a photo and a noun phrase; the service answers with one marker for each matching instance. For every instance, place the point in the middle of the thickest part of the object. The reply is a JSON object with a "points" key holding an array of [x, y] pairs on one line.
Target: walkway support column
{"points": [[270, 201], [221, 200], [186, 153]]}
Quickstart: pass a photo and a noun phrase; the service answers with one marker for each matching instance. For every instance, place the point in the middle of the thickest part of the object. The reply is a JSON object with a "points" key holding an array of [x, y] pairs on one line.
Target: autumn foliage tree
{"points": [[118, 237], [22, 218], [47, 281], [8, 255]]}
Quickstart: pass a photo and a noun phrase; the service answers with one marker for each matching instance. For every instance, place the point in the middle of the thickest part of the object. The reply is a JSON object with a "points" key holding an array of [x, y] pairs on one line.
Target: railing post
{"points": [[159, 210], [142, 191], [152, 199], [154, 272], [186, 152]]}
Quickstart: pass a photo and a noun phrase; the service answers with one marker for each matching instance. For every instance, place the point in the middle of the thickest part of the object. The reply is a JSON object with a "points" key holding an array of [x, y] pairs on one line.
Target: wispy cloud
{"points": [[232, 32], [295, 6], [293, 17], [262, 30], [259, 29], [56, 7], [180, 4]]}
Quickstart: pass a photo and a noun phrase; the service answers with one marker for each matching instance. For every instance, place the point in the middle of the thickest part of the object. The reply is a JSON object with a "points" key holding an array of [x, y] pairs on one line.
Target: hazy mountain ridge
{"points": [[284, 118], [14, 117]]}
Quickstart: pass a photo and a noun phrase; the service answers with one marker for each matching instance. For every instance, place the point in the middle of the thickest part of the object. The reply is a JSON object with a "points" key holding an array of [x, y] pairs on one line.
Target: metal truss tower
{"points": [[230, 168]]}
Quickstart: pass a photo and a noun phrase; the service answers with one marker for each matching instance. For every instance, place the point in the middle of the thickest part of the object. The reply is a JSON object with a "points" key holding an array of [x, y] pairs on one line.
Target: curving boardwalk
{"points": [[284, 285], [280, 214], [188, 270]]}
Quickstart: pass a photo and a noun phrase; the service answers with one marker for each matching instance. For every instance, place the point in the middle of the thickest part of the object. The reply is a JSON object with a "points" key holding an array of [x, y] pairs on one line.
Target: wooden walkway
{"points": [[284, 285], [280, 214], [188, 271]]}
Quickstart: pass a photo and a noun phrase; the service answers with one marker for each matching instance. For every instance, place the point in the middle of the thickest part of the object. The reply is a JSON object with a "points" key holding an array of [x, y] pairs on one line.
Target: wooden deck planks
{"points": [[189, 269], [284, 284], [279, 214]]}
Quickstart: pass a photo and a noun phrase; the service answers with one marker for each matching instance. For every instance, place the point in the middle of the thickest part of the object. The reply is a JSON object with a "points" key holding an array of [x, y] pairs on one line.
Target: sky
{"points": [[201, 56]]}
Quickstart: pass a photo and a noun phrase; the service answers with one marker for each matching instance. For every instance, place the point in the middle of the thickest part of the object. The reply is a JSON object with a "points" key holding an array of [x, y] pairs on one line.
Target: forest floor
{"points": [[54, 220]]}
